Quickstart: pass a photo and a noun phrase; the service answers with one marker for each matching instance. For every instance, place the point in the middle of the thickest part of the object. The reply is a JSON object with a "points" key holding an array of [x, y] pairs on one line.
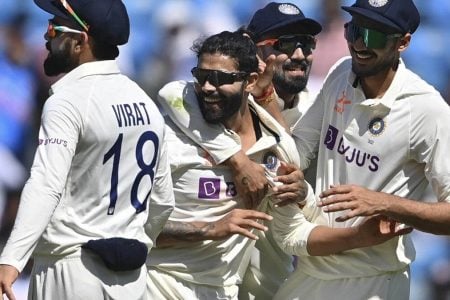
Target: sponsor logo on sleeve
{"points": [[52, 141], [340, 104], [331, 137]]}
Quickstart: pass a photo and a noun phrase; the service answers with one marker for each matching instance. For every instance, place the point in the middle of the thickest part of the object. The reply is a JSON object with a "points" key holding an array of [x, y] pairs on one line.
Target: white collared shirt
{"points": [[101, 144]]}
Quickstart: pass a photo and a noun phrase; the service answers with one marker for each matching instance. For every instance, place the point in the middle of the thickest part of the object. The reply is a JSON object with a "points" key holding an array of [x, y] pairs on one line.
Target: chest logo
{"points": [[377, 126], [271, 161], [340, 104]]}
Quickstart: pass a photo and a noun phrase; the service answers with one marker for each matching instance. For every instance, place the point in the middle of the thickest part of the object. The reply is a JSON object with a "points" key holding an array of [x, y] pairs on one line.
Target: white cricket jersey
{"points": [[100, 156], [205, 192], [395, 144]]}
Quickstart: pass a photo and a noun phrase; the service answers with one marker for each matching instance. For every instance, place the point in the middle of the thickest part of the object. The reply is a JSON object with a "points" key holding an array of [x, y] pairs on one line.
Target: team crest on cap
{"points": [[378, 3], [288, 9], [377, 126]]}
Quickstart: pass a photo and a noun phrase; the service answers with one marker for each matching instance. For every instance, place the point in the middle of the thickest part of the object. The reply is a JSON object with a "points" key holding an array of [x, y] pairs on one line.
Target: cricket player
{"points": [[100, 188], [204, 249]]}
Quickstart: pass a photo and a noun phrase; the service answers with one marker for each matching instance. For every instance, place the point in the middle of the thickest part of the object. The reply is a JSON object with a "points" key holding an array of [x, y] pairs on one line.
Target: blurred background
{"points": [[158, 51]]}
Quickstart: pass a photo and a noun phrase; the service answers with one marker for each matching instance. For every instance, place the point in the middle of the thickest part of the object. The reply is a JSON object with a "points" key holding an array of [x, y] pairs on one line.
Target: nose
{"points": [[359, 44], [207, 87], [298, 54]]}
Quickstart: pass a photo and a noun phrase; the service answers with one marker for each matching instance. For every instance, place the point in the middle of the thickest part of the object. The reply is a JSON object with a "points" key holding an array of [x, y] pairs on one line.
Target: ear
{"points": [[251, 81], [404, 42]]}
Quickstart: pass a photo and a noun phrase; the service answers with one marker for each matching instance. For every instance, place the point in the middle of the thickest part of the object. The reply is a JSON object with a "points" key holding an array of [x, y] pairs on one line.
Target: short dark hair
{"points": [[233, 44], [103, 51]]}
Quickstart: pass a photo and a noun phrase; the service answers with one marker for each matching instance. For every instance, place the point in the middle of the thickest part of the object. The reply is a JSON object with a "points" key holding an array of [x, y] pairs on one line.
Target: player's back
{"points": [[119, 133]]}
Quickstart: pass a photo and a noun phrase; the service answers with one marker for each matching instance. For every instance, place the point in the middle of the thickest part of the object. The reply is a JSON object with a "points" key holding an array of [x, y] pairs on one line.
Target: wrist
{"points": [[266, 97]]}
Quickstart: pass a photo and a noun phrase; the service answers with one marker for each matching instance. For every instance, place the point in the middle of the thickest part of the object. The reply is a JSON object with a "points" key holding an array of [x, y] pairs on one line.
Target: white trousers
{"points": [[387, 286], [83, 276]]}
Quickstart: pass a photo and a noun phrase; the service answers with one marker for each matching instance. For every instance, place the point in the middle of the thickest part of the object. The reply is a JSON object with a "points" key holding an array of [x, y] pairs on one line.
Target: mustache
{"points": [[296, 64]]}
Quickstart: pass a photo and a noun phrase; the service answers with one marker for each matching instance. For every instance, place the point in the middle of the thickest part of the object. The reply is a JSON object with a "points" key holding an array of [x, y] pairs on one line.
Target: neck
{"points": [[287, 98], [242, 123], [375, 87]]}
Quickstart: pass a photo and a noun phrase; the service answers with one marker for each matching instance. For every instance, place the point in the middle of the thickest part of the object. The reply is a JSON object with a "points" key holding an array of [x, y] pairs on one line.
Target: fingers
{"points": [[9, 293], [334, 190]]}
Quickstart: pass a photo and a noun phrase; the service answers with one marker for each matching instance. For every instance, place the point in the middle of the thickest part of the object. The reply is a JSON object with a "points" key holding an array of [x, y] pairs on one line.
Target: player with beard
{"points": [[204, 248], [382, 136], [100, 188]]}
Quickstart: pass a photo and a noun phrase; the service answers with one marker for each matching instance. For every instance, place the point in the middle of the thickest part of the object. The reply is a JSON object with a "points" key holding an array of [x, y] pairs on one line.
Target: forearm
{"points": [[424, 216], [175, 233], [327, 241]]}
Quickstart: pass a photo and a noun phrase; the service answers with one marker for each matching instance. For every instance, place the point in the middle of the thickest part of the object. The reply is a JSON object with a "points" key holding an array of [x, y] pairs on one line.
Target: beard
{"points": [[219, 111], [60, 60], [292, 84], [389, 60]]}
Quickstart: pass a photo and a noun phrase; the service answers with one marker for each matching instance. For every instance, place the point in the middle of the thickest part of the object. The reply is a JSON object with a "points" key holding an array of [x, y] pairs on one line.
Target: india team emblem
{"points": [[288, 9], [271, 161], [378, 3], [377, 126]]}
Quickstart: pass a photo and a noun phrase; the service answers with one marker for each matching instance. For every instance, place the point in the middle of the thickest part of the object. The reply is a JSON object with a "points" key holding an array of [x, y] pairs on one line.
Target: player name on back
{"points": [[132, 114]]}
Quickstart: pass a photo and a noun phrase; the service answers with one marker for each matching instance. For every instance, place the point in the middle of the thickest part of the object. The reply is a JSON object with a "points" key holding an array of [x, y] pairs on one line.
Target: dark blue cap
{"points": [[277, 19], [107, 19], [401, 15]]}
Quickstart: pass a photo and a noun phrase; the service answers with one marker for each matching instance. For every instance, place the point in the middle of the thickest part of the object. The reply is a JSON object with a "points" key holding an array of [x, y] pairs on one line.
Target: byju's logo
{"points": [[331, 137], [208, 188]]}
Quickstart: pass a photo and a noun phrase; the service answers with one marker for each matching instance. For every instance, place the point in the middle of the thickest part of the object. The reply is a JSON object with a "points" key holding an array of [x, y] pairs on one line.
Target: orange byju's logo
{"points": [[340, 104]]}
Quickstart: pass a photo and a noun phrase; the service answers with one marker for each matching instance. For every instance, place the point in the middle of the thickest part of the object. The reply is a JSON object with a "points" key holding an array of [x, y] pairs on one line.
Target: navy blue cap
{"points": [[277, 19], [401, 15], [107, 19]]}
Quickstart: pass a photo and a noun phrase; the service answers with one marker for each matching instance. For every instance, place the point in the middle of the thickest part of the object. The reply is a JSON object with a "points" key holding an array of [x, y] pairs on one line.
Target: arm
{"points": [[43, 189], [297, 236], [428, 217], [162, 199], [238, 221]]}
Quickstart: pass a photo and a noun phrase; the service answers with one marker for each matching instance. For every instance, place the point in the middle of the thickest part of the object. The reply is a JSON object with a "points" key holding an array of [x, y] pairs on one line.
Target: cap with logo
{"points": [[401, 15], [277, 19], [106, 20]]}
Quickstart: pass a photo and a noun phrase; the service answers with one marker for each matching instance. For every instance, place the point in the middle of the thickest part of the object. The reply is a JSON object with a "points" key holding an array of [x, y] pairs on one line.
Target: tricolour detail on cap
{"points": [[378, 3], [288, 9]]}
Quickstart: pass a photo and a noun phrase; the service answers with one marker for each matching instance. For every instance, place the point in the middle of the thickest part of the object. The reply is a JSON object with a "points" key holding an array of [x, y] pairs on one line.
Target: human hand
{"points": [[249, 178], [293, 188], [8, 275], [357, 200], [238, 221], [379, 229]]}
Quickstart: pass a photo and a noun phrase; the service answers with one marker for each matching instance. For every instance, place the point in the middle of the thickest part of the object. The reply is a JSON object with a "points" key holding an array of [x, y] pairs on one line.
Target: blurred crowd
{"points": [[162, 33]]}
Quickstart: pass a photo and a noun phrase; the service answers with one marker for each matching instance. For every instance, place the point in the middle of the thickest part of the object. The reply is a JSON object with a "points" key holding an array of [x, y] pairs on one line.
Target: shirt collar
{"points": [[392, 93], [103, 67]]}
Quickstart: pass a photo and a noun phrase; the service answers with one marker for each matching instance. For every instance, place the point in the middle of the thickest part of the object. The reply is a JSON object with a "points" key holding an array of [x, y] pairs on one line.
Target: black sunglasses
{"points": [[217, 78], [289, 43]]}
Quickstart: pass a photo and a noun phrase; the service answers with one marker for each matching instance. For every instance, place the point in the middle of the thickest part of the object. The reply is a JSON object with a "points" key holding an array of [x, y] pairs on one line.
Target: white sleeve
{"points": [[162, 199], [291, 225], [430, 142], [306, 132], [58, 137], [179, 102]]}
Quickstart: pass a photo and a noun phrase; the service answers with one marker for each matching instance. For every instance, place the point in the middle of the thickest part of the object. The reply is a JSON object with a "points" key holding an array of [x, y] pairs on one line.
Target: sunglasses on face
{"points": [[372, 38], [52, 29], [215, 77], [289, 43]]}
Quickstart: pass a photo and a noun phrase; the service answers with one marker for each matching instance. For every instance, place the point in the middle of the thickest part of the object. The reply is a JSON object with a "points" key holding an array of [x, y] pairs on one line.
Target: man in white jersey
{"points": [[285, 40], [100, 188], [204, 248], [382, 135]]}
